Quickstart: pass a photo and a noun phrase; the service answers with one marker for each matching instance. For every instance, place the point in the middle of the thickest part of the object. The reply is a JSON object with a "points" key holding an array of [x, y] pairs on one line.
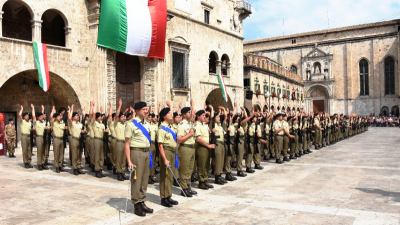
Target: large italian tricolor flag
{"points": [[222, 87], [42, 66], [135, 27]]}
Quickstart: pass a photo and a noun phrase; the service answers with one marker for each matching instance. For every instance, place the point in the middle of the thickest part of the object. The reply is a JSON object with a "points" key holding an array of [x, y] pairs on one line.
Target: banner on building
{"points": [[135, 27], [42, 66], [222, 87]]}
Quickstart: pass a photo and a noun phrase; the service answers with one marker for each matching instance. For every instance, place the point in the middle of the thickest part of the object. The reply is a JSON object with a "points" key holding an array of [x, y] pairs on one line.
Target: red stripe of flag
{"points": [[158, 12], [46, 65]]}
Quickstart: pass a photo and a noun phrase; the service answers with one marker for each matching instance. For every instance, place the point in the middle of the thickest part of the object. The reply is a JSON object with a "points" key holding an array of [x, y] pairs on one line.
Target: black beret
{"points": [[176, 114], [152, 115], [139, 105], [55, 115], [74, 114], [39, 114], [200, 112], [185, 110], [164, 112]]}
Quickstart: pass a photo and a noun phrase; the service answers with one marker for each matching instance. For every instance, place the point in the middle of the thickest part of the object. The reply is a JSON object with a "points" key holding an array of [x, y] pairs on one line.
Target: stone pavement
{"points": [[356, 181]]}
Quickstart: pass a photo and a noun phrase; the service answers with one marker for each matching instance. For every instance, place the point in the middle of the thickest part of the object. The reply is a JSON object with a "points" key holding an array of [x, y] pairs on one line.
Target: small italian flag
{"points": [[42, 66], [135, 27], [222, 87]]}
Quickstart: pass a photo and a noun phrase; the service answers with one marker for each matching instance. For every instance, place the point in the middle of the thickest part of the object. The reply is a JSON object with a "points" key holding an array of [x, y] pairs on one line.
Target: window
{"points": [[179, 72], [266, 88], [389, 76], [293, 68], [364, 86], [225, 65], [246, 83], [293, 41], [53, 28], [16, 21], [257, 86], [212, 62], [207, 16]]}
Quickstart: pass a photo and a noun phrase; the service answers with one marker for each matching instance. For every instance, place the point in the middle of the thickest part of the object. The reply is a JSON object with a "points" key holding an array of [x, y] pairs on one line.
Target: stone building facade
{"points": [[204, 38], [345, 70], [270, 86]]}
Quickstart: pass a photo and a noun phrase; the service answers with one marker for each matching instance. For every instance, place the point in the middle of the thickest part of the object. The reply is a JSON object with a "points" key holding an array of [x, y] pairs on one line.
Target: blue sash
{"points": [[173, 133], [143, 129]]}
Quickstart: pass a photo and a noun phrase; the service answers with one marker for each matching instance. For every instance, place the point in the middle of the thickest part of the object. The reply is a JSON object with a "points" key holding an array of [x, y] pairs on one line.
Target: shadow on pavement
{"points": [[394, 195]]}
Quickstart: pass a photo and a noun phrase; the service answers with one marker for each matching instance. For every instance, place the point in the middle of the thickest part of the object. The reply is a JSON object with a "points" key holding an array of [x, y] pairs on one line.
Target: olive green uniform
{"points": [[11, 135], [75, 129], [40, 127], [139, 146], [120, 158], [166, 139], [229, 153], [153, 135], [112, 143], [219, 149], [98, 132], [89, 143], [186, 153], [285, 139], [25, 127], [202, 153], [252, 146], [278, 138], [241, 146], [58, 132]]}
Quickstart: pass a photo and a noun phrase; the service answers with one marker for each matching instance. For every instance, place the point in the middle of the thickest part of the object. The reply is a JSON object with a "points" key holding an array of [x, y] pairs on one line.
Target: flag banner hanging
{"points": [[42, 66], [135, 27], [222, 87]]}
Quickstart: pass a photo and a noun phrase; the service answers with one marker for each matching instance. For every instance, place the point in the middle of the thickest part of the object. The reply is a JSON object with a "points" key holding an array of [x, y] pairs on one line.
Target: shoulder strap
{"points": [[144, 131], [169, 130]]}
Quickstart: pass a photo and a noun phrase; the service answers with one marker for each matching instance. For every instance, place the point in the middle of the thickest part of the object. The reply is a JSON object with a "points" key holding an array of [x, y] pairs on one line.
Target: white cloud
{"points": [[278, 17]]}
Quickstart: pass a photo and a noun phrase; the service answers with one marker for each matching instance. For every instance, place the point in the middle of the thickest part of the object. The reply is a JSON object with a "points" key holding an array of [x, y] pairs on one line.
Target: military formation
{"points": [[175, 147]]}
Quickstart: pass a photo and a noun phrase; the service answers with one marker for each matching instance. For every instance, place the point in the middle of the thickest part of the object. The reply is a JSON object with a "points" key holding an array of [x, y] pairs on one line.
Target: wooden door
{"points": [[318, 106]]}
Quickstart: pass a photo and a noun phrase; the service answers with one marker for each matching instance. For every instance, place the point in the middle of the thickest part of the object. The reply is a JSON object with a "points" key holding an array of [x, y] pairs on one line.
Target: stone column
{"points": [[111, 78], [36, 30], [218, 65], [67, 36], [1, 23]]}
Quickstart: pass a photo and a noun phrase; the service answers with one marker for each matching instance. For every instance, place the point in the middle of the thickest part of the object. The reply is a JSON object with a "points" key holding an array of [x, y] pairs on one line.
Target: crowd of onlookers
{"points": [[384, 121]]}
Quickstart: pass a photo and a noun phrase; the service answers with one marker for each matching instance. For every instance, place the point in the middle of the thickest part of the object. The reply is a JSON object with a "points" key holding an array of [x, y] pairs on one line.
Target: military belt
{"points": [[75, 137], [169, 149], [37, 135], [99, 138], [58, 137], [25, 134], [188, 145], [139, 149], [119, 140]]}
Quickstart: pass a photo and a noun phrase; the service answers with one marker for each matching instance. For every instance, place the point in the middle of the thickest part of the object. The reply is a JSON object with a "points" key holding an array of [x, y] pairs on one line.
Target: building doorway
{"points": [[318, 97], [215, 99]]}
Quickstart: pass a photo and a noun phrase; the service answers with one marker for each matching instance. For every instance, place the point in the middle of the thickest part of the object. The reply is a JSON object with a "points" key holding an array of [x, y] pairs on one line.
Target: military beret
{"points": [[39, 114], [176, 114], [74, 114], [200, 112], [139, 105], [164, 112], [185, 110]]}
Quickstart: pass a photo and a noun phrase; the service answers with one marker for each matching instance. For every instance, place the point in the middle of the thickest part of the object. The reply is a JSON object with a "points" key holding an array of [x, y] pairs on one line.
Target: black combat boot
{"points": [[218, 180], [241, 174], [146, 209], [76, 173], [171, 201], [139, 211], [186, 193], [191, 191], [166, 203], [203, 186]]}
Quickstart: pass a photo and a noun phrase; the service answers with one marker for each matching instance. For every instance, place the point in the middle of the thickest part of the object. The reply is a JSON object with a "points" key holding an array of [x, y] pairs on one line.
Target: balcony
{"points": [[244, 9]]}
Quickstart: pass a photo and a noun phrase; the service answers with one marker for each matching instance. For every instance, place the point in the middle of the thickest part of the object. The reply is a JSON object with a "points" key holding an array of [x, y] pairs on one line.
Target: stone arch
{"points": [[395, 111], [215, 99], [225, 65], [23, 88], [318, 96], [54, 27], [384, 111], [16, 21]]}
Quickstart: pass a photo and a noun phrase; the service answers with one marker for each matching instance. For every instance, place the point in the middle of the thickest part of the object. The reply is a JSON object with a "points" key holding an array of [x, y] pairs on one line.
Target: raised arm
{"points": [[53, 110], [118, 108], [21, 109], [109, 117], [33, 113]]}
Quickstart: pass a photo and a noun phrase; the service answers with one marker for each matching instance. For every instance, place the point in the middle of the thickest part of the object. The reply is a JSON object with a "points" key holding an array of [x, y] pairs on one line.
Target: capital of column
{"points": [[36, 23], [67, 30]]}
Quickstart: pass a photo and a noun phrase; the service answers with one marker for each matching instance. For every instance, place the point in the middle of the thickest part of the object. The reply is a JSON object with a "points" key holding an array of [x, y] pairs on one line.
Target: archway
{"points": [[385, 111], [215, 99], [23, 88], [16, 22], [395, 111], [53, 27], [319, 97]]}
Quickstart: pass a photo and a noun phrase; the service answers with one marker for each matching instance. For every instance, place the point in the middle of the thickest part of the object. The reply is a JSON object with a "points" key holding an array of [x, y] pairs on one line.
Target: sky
{"points": [[272, 18]]}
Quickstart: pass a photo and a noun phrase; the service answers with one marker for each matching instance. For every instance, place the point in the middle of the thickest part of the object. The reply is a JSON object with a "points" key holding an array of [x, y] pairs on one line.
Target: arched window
{"points": [[317, 68], [385, 111], [16, 21], [53, 28], [389, 76], [212, 62], [225, 64], [395, 111], [364, 72], [293, 68]]}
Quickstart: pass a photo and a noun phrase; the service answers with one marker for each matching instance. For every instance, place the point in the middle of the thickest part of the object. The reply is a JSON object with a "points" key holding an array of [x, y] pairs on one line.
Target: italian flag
{"points": [[222, 87], [42, 66], [135, 27]]}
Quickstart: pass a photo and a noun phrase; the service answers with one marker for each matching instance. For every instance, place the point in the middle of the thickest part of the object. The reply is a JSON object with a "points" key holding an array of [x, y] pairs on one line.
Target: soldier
{"points": [[58, 131], [186, 150], [111, 120], [11, 135], [39, 125], [241, 127], [75, 130], [286, 138], [137, 146], [98, 128], [219, 133], [119, 129], [294, 142], [153, 133], [230, 147], [25, 126], [317, 130], [203, 147], [279, 131], [167, 142]]}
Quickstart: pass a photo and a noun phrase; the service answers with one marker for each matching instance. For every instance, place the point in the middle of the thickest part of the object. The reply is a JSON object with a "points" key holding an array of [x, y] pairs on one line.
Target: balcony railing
{"points": [[244, 8]]}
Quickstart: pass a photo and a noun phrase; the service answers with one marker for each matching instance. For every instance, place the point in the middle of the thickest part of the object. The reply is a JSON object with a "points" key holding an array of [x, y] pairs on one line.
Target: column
{"points": [[36, 30], [1, 23], [67, 30], [218, 65]]}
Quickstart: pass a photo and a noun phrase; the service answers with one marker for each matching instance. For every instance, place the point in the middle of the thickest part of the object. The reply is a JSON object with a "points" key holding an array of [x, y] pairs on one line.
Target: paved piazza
{"points": [[356, 181]]}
